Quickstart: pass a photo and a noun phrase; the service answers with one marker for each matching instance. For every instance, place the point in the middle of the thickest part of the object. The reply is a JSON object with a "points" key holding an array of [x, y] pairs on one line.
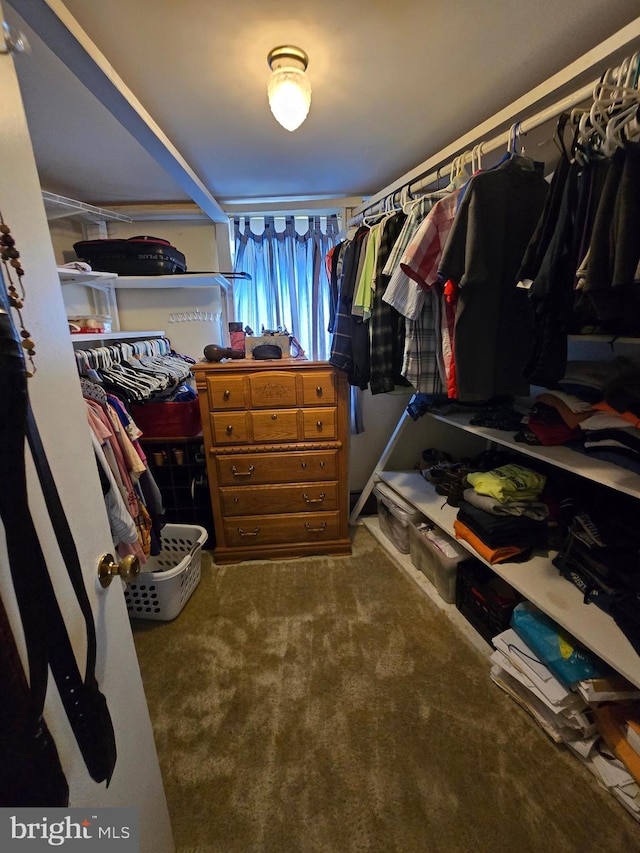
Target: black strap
{"points": [[84, 704], [45, 631]]}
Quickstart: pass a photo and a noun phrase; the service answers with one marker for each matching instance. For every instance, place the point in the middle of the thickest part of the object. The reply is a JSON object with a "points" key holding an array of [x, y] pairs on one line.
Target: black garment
{"points": [[484, 251], [342, 355], [387, 324], [551, 294], [546, 227], [497, 531], [610, 289]]}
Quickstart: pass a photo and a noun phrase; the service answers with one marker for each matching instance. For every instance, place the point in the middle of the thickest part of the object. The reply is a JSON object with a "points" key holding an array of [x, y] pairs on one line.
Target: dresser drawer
{"points": [[266, 468], [318, 389], [319, 423], [230, 427], [276, 529], [225, 392], [273, 389], [281, 425], [256, 500]]}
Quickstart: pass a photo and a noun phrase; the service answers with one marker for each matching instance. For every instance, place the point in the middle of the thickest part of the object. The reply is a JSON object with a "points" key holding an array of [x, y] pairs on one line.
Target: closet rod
{"points": [[611, 49], [486, 146]]}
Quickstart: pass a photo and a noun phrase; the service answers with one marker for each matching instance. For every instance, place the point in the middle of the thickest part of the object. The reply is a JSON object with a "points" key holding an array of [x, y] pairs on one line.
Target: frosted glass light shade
{"points": [[289, 94]]}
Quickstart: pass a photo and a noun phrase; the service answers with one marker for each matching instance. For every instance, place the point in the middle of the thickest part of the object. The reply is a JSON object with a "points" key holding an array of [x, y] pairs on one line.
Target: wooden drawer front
{"points": [[279, 425], [256, 500], [230, 428], [266, 468], [225, 392], [258, 530], [272, 390], [318, 389], [319, 423]]}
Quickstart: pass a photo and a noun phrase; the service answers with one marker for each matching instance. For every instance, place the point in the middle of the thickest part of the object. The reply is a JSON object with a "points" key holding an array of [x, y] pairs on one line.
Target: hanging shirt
{"points": [[386, 330], [415, 216], [486, 245], [411, 292], [363, 297]]}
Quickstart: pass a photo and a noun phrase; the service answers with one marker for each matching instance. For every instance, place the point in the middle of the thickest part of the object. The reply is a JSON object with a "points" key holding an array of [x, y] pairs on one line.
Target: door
{"points": [[60, 414]]}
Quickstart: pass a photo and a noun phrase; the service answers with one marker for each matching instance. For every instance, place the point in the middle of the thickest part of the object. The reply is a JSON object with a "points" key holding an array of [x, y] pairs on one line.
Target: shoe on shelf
{"points": [[436, 473], [452, 486], [432, 456]]}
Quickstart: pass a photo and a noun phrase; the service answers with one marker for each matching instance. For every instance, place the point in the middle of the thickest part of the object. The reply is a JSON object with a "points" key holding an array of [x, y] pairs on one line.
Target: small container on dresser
{"points": [[276, 439]]}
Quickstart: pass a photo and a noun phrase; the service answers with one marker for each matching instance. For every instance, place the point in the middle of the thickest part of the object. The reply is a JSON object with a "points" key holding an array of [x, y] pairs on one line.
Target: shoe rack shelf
{"points": [[179, 468]]}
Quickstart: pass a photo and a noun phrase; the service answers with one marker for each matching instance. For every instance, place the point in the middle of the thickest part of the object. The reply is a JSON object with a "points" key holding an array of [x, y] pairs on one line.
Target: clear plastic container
{"points": [[395, 516], [436, 555]]}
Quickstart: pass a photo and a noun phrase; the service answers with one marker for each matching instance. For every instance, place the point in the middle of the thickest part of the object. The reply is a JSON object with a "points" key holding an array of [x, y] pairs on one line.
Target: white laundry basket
{"points": [[168, 580]]}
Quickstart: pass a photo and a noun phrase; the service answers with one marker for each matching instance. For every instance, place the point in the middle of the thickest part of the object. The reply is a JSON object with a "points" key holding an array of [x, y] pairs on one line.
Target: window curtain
{"points": [[289, 287]]}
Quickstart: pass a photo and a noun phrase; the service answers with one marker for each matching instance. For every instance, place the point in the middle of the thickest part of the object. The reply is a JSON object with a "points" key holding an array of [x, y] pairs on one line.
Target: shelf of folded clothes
{"points": [[536, 578]]}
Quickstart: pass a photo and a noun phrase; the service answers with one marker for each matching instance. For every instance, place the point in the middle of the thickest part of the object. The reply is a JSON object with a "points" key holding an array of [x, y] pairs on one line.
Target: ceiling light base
{"points": [[287, 56]]}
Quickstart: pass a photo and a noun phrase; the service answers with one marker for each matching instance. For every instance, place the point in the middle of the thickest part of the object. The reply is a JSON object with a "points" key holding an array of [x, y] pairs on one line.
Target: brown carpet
{"points": [[325, 704]]}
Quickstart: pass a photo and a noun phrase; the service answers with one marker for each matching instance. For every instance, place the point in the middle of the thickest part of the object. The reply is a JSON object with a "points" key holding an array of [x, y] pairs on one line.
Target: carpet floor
{"points": [[325, 705]]}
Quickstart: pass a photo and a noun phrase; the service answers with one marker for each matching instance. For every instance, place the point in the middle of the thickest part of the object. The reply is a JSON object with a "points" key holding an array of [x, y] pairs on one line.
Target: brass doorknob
{"points": [[128, 568]]}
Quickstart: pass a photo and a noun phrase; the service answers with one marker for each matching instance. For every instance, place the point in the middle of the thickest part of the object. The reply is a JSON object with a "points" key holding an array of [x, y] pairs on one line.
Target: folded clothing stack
{"points": [[501, 515]]}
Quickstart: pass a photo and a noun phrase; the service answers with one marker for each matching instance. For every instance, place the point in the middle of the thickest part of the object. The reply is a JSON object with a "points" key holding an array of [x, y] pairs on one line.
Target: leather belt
{"points": [[46, 638]]}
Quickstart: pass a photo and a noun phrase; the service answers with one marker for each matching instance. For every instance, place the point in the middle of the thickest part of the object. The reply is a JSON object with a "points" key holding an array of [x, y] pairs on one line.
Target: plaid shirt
{"points": [[386, 325], [412, 291]]}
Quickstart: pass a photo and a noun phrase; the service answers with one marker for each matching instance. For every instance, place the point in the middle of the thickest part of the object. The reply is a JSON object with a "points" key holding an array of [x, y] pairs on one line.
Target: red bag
{"points": [[167, 420]]}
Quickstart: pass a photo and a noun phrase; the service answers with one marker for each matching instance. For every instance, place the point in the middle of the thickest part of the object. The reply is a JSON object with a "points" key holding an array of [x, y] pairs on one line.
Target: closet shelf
{"points": [[153, 282], [89, 279], [59, 207], [603, 339], [585, 466], [537, 579], [115, 336]]}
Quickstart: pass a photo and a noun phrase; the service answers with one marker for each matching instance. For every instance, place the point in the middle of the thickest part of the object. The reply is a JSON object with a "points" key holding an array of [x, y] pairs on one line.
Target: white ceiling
{"points": [[393, 82]]}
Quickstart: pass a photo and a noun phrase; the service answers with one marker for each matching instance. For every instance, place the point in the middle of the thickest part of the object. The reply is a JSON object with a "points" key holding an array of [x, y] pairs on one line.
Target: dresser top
{"points": [[251, 365]]}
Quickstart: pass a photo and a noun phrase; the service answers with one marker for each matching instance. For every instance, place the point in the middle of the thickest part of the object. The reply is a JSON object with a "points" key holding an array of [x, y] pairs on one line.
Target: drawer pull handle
{"points": [[303, 465], [317, 500], [226, 395], [320, 529], [319, 424], [236, 500], [322, 464], [244, 532], [274, 417], [319, 390], [237, 473], [229, 429]]}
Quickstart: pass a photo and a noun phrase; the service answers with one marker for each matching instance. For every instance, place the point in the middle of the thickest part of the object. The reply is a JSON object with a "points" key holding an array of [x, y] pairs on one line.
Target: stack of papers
{"points": [[613, 775], [613, 688], [563, 714], [574, 717]]}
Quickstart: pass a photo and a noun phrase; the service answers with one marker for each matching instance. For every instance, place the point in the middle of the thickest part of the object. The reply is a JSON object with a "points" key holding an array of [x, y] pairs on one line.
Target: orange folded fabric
{"points": [[491, 555], [611, 720], [634, 420]]}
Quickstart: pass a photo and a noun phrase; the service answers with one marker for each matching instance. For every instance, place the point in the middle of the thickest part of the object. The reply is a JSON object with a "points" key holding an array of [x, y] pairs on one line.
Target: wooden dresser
{"points": [[276, 437]]}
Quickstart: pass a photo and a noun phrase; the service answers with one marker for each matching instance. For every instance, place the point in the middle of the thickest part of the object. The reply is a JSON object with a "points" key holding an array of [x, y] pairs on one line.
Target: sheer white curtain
{"points": [[289, 286]]}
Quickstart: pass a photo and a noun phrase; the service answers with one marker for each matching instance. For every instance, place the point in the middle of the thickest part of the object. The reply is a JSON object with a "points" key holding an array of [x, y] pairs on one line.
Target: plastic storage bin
{"points": [[437, 556], [169, 579], [395, 515], [484, 599]]}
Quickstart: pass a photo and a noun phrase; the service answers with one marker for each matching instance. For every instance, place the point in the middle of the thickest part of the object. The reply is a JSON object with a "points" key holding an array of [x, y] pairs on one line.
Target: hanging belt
{"points": [[45, 631]]}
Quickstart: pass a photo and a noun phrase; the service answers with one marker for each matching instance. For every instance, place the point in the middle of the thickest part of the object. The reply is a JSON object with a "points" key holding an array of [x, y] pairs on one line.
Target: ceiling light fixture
{"points": [[289, 89]]}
